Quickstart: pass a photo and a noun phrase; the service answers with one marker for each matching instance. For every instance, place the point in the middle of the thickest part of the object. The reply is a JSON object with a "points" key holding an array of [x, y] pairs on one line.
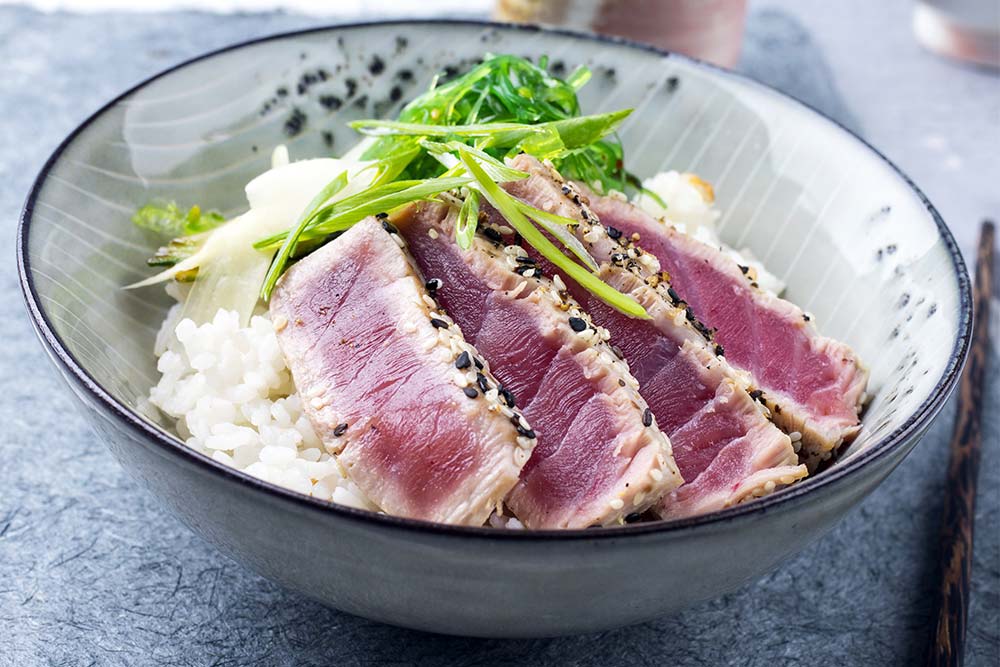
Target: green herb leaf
{"points": [[165, 217], [507, 206]]}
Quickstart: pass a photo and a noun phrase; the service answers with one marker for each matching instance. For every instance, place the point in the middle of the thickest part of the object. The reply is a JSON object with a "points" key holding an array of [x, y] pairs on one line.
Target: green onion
{"points": [[292, 240], [507, 206], [468, 220], [494, 168], [572, 133], [556, 225]]}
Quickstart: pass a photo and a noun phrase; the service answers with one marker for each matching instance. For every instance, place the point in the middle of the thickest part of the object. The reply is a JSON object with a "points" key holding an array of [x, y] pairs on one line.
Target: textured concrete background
{"points": [[94, 572]]}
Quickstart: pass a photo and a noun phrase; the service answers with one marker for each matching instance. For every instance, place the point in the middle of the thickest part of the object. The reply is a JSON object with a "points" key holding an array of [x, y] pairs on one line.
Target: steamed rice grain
{"points": [[231, 397]]}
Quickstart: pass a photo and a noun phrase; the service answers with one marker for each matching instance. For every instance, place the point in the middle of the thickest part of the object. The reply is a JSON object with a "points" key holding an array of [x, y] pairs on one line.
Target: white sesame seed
{"points": [[517, 290], [280, 323], [769, 487], [617, 503], [558, 282], [399, 241], [795, 436], [639, 497], [656, 474], [432, 233], [521, 456]]}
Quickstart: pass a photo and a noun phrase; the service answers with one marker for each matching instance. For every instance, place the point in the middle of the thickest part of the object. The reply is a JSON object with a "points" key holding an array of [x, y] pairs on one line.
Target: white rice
{"points": [[232, 398]]}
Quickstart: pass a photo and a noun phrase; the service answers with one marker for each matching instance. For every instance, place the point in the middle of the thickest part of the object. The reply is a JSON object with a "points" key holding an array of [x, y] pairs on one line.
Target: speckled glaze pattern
{"points": [[860, 247]]}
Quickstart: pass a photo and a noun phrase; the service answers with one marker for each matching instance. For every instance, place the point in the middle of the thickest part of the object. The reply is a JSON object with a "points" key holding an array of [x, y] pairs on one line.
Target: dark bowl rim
{"points": [[912, 427]]}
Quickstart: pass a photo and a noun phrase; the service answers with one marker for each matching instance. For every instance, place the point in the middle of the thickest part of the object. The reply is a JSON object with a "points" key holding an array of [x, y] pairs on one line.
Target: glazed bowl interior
{"points": [[858, 247]]}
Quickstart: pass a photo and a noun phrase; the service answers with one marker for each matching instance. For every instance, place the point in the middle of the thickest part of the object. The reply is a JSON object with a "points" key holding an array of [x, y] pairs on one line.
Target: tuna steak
{"points": [[813, 385], [375, 362], [723, 443], [600, 455]]}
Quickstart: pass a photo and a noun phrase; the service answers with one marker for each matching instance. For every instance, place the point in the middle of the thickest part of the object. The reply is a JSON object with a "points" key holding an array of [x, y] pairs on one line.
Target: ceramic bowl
{"points": [[858, 244]]}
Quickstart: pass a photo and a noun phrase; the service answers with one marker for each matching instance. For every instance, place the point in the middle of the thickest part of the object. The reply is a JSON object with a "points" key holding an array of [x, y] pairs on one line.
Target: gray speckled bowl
{"points": [[859, 246]]}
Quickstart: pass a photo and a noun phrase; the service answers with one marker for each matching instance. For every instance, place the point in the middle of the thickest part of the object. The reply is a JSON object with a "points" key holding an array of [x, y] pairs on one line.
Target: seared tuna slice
{"points": [[600, 455], [374, 361], [813, 385], [725, 447]]}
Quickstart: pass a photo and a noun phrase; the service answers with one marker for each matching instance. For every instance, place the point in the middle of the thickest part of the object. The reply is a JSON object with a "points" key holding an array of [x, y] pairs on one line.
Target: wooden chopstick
{"points": [[947, 643]]}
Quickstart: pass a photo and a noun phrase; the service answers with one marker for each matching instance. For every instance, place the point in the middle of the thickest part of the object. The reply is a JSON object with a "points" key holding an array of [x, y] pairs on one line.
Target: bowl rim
{"points": [[835, 476]]}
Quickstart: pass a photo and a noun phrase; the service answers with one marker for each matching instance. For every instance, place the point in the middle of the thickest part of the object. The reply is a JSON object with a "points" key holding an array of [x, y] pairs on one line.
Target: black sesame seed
{"points": [[618, 351], [381, 216], [352, 86], [756, 395], [720, 351], [744, 269], [577, 324], [478, 362], [361, 102], [463, 361], [389, 227], [438, 324], [340, 430], [395, 93], [492, 235], [633, 517], [470, 392], [433, 284], [805, 317], [526, 432], [566, 190], [282, 91], [484, 385], [508, 397], [614, 232], [524, 259], [377, 66], [328, 138], [621, 383], [647, 417], [672, 84], [404, 75], [674, 296]]}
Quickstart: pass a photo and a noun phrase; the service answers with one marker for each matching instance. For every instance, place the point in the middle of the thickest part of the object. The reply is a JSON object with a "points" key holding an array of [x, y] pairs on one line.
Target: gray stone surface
{"points": [[94, 571]]}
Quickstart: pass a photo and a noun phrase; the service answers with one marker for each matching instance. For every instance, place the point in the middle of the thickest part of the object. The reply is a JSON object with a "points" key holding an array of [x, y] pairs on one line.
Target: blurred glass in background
{"points": [[967, 30], [710, 30]]}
